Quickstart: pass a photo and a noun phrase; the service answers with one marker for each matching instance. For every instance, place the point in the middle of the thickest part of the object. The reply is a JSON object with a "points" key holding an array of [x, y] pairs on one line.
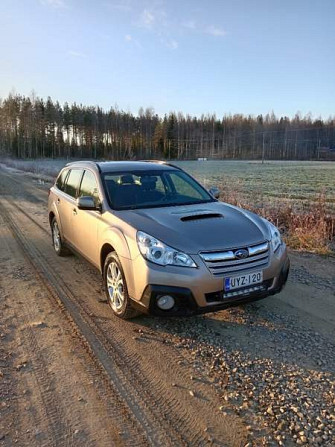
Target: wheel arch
{"points": [[113, 239], [105, 250], [54, 214], [51, 217]]}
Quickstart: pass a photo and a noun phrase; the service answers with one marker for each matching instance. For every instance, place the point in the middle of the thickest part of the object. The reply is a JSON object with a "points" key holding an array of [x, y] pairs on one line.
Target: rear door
{"points": [[67, 203], [57, 194], [85, 223]]}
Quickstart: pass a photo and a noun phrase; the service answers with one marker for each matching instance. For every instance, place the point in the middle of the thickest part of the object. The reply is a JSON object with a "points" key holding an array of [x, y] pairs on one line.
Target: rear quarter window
{"points": [[60, 182]]}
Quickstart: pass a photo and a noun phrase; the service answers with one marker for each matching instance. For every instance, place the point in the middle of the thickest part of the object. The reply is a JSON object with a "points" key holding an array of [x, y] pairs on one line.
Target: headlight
{"points": [[275, 236], [159, 253]]}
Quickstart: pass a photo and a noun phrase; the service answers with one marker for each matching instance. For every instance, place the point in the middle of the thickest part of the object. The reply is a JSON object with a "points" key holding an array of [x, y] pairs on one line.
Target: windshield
{"points": [[153, 188]]}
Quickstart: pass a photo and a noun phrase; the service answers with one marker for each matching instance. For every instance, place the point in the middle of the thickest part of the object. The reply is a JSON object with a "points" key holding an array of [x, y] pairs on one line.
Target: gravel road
{"points": [[72, 374]]}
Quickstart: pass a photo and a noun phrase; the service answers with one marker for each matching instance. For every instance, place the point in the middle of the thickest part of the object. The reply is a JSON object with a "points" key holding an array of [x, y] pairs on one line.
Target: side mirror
{"points": [[87, 203], [215, 192]]}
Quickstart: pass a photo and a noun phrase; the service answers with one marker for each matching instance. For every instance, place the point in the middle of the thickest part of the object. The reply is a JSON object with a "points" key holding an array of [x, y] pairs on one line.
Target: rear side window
{"points": [[72, 182], [89, 187], [60, 182]]}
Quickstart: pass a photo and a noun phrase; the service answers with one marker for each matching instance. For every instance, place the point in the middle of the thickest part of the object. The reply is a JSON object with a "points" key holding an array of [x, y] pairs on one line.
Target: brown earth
{"points": [[73, 374]]}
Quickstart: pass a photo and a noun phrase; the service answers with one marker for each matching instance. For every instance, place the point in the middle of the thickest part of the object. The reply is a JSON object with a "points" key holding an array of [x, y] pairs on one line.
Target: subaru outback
{"points": [[163, 243]]}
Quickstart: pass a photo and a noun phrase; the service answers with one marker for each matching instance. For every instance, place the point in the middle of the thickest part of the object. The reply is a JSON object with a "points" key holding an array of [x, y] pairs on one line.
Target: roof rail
{"points": [[162, 162], [85, 162]]}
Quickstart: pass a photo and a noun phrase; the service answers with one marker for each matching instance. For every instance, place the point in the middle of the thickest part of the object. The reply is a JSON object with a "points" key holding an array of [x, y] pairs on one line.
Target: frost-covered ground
{"points": [[42, 167], [298, 196], [275, 183]]}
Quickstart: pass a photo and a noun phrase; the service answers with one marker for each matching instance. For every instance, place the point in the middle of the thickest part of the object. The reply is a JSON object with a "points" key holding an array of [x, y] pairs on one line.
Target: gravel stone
{"points": [[284, 388]]}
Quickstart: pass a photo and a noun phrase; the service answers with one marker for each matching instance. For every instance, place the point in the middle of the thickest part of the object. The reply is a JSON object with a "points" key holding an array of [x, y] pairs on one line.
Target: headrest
{"points": [[148, 181], [127, 179]]}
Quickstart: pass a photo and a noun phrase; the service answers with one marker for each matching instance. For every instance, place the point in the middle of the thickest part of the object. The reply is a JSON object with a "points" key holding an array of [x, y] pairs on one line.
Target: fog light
{"points": [[165, 302]]}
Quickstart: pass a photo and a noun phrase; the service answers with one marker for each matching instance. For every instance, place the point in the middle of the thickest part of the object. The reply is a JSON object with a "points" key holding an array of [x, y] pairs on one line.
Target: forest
{"points": [[31, 127]]}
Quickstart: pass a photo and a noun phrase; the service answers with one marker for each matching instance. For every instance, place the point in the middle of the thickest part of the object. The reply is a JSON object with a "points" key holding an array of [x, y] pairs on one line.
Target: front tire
{"points": [[57, 242], [116, 288]]}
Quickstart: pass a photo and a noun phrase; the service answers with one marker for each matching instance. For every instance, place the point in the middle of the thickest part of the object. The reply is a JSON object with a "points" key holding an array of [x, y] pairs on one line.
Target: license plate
{"points": [[236, 282]]}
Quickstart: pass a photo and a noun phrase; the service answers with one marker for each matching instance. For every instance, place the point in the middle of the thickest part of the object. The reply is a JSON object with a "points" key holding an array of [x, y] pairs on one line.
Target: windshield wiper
{"points": [[162, 205]]}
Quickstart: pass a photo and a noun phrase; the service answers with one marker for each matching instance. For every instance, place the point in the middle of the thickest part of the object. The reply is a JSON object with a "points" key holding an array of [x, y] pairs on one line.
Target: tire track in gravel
{"points": [[50, 419], [166, 419], [112, 360], [8, 383], [60, 430], [82, 321]]}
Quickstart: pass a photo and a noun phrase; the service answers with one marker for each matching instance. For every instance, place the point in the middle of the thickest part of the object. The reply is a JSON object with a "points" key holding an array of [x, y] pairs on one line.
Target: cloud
{"points": [[214, 31], [190, 24], [155, 20], [122, 5], [129, 38], [147, 19], [153, 17], [77, 54], [172, 44], [54, 3]]}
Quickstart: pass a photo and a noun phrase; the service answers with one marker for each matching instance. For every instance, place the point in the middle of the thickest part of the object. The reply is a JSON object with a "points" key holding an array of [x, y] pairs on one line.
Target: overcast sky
{"points": [[237, 56]]}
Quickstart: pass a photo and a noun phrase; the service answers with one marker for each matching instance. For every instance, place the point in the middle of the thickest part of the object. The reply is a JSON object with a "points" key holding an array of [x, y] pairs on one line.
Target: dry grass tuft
{"points": [[310, 230]]}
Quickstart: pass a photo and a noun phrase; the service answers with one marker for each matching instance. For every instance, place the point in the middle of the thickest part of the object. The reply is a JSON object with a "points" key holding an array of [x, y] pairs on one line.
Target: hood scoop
{"points": [[202, 216]]}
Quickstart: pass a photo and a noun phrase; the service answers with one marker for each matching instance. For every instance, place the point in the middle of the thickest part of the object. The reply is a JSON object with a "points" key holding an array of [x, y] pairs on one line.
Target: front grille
{"points": [[225, 262]]}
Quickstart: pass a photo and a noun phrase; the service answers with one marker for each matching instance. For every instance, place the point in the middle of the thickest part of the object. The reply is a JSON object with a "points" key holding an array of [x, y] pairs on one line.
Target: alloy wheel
{"points": [[56, 236], [115, 286]]}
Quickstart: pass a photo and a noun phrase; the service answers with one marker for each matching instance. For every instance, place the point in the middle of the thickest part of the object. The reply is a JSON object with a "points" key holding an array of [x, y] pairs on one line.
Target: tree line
{"points": [[31, 127]]}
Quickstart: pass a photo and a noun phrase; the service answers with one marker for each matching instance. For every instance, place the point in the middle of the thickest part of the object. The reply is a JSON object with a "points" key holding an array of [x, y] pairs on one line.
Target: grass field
{"points": [[299, 197], [289, 183], [295, 183]]}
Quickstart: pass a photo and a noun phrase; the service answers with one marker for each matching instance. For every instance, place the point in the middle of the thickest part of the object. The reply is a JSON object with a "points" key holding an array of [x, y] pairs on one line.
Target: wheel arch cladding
{"points": [[105, 250], [51, 217]]}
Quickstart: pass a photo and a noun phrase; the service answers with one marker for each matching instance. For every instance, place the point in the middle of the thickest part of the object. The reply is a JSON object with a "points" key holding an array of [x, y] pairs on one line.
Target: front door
{"points": [[85, 223]]}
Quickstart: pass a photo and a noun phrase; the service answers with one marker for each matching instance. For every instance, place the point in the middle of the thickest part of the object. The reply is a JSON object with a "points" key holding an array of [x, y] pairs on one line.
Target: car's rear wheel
{"points": [[57, 242], [116, 288]]}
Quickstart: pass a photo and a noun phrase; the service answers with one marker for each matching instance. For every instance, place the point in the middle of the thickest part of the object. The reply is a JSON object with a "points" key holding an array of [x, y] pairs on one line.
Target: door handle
{"points": [[74, 211]]}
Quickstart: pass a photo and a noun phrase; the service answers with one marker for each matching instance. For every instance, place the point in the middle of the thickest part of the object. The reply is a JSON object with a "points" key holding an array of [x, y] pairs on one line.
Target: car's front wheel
{"points": [[116, 288]]}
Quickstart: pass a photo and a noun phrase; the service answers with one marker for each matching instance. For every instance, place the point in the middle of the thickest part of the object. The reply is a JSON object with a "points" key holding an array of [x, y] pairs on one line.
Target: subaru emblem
{"points": [[241, 254]]}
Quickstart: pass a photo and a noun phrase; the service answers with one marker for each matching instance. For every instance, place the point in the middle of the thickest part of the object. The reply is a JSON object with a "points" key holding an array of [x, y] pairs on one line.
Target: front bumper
{"points": [[196, 291]]}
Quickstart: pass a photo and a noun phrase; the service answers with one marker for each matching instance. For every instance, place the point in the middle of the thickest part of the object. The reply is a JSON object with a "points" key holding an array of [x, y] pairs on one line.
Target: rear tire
{"points": [[57, 242], [116, 288]]}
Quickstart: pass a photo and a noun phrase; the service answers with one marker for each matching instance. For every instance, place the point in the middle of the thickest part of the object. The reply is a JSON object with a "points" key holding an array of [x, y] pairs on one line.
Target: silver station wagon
{"points": [[163, 243]]}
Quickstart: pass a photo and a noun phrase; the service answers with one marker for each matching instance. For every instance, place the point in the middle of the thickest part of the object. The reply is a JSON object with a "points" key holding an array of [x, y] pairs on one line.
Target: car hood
{"points": [[194, 228]]}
